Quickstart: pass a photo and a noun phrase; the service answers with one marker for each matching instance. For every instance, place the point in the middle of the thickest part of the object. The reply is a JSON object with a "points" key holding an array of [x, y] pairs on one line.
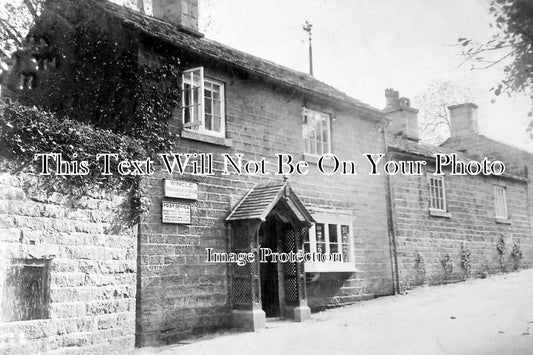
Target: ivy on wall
{"points": [[90, 93], [25, 131]]}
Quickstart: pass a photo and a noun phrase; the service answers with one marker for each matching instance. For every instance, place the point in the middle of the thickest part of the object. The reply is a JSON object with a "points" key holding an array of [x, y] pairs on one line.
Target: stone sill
{"points": [[207, 138], [329, 267], [502, 220], [439, 213], [313, 159]]}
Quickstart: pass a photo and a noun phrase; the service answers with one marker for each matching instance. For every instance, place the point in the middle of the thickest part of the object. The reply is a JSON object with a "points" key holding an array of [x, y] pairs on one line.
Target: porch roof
{"points": [[262, 198]]}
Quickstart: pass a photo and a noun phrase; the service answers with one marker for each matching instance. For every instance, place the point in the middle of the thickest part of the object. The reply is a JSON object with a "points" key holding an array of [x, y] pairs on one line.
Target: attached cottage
{"points": [[247, 188]]}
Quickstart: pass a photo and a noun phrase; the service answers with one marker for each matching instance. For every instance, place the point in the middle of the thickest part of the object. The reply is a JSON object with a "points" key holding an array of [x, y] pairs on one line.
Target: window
{"points": [[500, 202], [330, 235], [316, 132], [437, 193], [202, 103], [26, 293]]}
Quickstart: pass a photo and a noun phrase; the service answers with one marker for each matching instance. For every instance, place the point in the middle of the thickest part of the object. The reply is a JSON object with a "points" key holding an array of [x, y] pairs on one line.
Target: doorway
{"points": [[270, 272]]}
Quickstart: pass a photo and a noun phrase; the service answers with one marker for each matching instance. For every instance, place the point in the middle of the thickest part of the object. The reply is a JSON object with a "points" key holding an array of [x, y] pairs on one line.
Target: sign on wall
{"points": [[180, 189], [175, 213]]}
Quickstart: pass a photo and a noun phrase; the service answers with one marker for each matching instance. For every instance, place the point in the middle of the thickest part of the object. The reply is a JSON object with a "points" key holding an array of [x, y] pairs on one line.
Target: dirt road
{"points": [[490, 316]]}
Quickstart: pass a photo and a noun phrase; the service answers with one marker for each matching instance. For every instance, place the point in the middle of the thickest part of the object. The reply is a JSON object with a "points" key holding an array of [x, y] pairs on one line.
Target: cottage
{"points": [[451, 224], [270, 204], [232, 105]]}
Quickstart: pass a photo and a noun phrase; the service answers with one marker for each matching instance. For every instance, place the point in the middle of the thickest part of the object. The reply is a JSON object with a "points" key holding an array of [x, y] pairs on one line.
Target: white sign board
{"points": [[175, 213], [181, 189]]}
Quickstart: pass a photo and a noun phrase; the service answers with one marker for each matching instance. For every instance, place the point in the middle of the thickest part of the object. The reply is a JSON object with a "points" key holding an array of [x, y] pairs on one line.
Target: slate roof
{"points": [[208, 48], [262, 198], [402, 145], [460, 142]]}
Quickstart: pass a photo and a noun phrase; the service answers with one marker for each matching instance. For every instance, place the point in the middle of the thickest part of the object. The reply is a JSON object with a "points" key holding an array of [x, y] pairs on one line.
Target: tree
{"points": [[511, 45], [17, 17], [433, 116]]}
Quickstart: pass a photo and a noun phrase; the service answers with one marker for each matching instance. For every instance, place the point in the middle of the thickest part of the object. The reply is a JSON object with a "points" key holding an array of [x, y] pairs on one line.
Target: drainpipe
{"points": [[390, 221]]}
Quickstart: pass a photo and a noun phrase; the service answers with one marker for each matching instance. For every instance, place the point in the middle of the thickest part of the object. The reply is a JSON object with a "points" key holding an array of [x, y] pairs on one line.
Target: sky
{"points": [[362, 47]]}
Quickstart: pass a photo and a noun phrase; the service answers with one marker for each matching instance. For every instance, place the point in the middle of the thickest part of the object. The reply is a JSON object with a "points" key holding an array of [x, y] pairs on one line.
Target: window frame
{"points": [[503, 200], [434, 197], [305, 112], [331, 266], [201, 104]]}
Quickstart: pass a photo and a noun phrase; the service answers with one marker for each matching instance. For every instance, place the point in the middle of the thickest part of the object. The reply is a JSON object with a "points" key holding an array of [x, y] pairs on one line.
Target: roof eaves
{"points": [[141, 22]]}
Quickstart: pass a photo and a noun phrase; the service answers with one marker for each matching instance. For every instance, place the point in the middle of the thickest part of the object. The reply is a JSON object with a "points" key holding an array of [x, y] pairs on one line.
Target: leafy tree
{"points": [[511, 45], [16, 18], [433, 116]]}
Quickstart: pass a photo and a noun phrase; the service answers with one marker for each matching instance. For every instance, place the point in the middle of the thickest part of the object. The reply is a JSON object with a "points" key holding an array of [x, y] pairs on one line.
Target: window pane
{"points": [[195, 96], [194, 115], [345, 253], [345, 234], [332, 229], [196, 80], [208, 122], [186, 115], [216, 108], [319, 228], [207, 103]]}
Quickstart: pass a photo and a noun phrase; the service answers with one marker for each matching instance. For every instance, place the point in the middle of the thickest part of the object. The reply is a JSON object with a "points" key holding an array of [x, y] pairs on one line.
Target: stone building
{"points": [[453, 226], [239, 111], [243, 106], [465, 138]]}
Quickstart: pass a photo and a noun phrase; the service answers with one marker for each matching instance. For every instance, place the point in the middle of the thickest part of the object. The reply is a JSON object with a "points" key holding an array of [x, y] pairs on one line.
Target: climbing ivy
{"points": [[98, 77], [466, 259], [95, 95], [501, 247], [516, 254], [26, 131]]}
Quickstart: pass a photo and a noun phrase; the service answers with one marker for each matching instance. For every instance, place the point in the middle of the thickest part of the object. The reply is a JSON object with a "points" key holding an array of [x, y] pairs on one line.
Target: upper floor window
{"points": [[437, 193], [500, 202], [202, 103], [316, 132], [331, 235]]}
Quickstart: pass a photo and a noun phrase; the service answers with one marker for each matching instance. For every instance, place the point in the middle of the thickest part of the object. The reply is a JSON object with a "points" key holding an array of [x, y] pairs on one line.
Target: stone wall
{"points": [[517, 161], [424, 241], [92, 275], [180, 294]]}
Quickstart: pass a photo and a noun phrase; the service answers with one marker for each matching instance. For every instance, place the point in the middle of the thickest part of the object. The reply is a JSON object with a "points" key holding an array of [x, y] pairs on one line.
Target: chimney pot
{"points": [[404, 118], [391, 96]]}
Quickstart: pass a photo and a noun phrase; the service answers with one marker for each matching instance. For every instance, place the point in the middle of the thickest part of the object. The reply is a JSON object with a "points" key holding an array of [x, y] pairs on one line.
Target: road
{"points": [[483, 316]]}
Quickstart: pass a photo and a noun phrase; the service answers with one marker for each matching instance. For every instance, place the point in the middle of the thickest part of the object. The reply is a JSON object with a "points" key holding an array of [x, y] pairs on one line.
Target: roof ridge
{"points": [[293, 78]]}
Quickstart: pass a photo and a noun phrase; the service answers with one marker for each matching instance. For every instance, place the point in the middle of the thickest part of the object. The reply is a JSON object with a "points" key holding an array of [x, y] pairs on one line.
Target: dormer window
{"points": [[202, 103]]}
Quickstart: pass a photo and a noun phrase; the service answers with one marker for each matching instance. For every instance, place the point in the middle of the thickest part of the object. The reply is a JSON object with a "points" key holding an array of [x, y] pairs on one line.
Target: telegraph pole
{"points": [[307, 28]]}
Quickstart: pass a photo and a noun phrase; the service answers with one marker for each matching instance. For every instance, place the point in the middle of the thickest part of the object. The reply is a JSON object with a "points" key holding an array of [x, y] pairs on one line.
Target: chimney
{"points": [[181, 13], [463, 120], [403, 118]]}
